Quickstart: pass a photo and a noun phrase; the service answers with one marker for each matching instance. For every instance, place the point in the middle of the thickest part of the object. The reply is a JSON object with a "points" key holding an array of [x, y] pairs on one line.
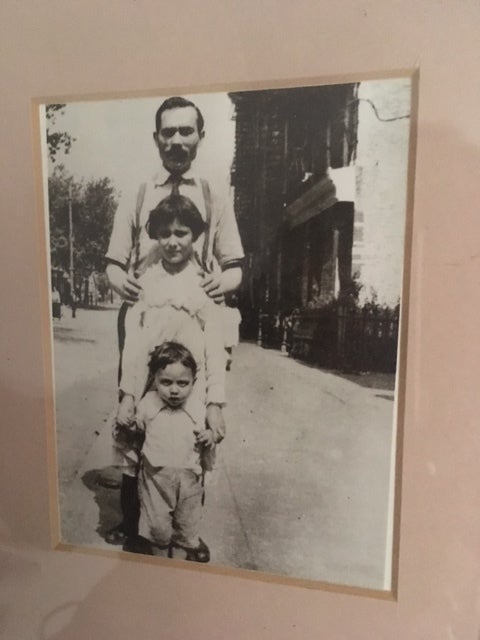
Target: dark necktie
{"points": [[176, 179]]}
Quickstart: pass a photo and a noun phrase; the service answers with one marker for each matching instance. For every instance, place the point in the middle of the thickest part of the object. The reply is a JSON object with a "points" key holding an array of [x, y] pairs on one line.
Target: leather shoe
{"points": [[116, 535], [200, 553]]}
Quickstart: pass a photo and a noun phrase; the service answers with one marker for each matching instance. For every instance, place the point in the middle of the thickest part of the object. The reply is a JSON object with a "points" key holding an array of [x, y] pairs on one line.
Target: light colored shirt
{"points": [[174, 307], [169, 433], [224, 242]]}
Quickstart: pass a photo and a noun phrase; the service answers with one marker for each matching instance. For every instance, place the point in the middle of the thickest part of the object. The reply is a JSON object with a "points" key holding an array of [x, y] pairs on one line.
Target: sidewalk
{"points": [[302, 481]]}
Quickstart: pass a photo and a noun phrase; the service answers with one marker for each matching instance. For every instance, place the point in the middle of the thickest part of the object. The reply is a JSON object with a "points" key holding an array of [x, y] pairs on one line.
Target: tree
{"points": [[56, 140], [93, 207], [93, 223]]}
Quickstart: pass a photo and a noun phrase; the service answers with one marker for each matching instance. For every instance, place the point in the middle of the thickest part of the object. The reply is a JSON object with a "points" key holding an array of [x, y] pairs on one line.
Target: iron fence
{"points": [[341, 336]]}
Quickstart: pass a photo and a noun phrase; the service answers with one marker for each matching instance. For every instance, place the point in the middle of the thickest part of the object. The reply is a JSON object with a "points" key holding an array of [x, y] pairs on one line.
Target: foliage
{"points": [[349, 298], [353, 288], [56, 140], [93, 207]]}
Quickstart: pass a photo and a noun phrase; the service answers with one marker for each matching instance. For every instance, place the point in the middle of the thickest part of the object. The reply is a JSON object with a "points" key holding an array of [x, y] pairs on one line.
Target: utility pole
{"points": [[70, 245]]}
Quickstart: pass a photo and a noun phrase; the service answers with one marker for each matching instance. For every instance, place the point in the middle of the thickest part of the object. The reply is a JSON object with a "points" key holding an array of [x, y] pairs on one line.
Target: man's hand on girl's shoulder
{"points": [[123, 283], [212, 285]]}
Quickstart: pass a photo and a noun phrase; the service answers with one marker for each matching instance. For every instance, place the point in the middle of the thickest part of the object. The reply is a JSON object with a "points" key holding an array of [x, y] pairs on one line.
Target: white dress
{"points": [[174, 307]]}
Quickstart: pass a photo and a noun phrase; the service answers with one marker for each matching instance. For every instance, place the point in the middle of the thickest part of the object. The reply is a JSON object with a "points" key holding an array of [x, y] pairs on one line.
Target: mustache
{"points": [[177, 153]]}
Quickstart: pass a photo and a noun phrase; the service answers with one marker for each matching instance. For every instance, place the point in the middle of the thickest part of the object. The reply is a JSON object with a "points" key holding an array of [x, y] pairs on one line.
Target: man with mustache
{"points": [[179, 129]]}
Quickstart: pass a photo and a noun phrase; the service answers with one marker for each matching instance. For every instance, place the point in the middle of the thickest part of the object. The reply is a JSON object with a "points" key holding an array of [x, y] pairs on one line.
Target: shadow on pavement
{"points": [[67, 334], [385, 396]]}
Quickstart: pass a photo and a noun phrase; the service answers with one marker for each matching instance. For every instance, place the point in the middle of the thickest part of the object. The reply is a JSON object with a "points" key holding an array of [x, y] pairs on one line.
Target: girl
{"points": [[173, 306]]}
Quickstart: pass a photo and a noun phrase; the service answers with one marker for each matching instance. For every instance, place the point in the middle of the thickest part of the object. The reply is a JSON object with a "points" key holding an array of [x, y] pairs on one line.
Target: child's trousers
{"points": [[170, 505]]}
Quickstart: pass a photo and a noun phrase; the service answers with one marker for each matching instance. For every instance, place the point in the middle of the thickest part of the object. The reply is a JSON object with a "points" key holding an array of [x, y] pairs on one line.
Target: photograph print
{"points": [[226, 283]]}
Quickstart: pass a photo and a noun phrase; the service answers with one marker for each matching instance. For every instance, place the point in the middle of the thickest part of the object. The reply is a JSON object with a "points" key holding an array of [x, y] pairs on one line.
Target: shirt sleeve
{"points": [[121, 239], [227, 245], [214, 353]]}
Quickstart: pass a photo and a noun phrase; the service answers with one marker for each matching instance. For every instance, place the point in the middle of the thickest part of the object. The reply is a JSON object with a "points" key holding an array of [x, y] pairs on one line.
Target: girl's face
{"points": [[176, 244], [174, 384]]}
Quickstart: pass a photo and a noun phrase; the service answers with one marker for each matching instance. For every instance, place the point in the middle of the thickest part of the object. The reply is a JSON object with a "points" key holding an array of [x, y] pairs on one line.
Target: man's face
{"points": [[178, 138], [174, 384]]}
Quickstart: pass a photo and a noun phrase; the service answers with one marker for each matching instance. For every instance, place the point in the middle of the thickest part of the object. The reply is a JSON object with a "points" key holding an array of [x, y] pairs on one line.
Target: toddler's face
{"points": [[174, 384], [176, 244]]}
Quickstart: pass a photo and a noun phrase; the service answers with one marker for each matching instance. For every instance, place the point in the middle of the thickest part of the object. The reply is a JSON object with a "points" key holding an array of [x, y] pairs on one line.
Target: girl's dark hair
{"points": [[175, 207], [170, 353]]}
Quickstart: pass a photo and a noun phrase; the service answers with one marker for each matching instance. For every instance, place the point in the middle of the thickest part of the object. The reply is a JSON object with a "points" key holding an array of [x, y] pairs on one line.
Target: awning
{"points": [[337, 186]]}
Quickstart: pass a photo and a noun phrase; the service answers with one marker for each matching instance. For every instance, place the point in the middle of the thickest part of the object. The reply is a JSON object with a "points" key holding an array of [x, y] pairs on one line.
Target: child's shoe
{"points": [[116, 535], [200, 553]]}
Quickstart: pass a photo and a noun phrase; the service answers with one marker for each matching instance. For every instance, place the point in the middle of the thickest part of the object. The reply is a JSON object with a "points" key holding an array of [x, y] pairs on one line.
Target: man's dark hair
{"points": [[171, 353], [175, 207], [177, 102]]}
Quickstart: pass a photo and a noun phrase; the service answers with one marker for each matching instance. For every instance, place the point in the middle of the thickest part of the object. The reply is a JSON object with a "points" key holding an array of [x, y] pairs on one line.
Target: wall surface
{"points": [[382, 173], [61, 48]]}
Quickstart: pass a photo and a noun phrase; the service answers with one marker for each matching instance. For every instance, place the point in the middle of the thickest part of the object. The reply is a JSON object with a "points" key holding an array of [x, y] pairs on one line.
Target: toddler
{"points": [[171, 471]]}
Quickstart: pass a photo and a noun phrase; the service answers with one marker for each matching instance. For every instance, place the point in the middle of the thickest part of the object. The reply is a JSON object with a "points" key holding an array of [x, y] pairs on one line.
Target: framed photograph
{"points": [[228, 278]]}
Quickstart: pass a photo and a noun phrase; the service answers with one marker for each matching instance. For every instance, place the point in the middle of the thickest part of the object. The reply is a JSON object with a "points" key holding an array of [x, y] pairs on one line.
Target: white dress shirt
{"points": [[224, 243]]}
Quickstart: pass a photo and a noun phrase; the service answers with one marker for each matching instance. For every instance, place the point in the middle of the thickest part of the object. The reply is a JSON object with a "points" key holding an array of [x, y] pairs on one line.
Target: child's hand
{"points": [[131, 436], [205, 438], [126, 410], [216, 421]]}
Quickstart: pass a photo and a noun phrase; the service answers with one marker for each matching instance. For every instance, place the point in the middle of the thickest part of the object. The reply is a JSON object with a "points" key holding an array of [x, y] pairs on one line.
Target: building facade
{"points": [[320, 197], [291, 146]]}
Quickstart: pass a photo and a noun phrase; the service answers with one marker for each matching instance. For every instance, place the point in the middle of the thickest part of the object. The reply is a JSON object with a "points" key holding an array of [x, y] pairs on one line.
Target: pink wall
{"points": [[56, 47]]}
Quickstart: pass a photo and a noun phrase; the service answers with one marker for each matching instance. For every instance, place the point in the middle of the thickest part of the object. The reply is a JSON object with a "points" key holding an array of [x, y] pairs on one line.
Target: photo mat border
{"points": [[47, 326]]}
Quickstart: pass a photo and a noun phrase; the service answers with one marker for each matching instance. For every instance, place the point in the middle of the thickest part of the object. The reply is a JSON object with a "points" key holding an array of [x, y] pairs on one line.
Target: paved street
{"points": [[302, 482]]}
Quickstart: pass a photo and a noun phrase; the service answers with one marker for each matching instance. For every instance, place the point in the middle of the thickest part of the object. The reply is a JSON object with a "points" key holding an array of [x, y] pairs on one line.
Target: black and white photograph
{"points": [[232, 262]]}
